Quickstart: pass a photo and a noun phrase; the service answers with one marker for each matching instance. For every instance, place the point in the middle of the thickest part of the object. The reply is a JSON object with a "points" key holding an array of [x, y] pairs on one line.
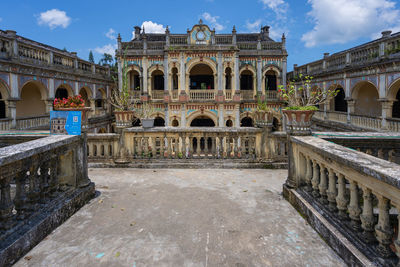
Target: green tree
{"points": [[91, 58], [107, 59]]}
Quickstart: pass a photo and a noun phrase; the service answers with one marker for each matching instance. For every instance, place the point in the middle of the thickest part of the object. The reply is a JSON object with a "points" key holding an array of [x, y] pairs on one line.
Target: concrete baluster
{"points": [[308, 177], [332, 192], [383, 230], [341, 198], [367, 217], [323, 185], [315, 179], [20, 199], [354, 207]]}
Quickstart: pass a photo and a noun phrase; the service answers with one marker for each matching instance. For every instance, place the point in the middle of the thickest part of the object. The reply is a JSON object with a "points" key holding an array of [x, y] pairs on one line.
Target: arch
{"points": [[273, 68], [394, 88], [228, 78], [159, 122], [202, 121], [396, 106], [67, 88], [157, 80], [101, 97], [86, 95], [4, 90], [229, 123], [198, 113], [32, 101], [201, 76], [4, 95], [270, 80], [40, 86], [366, 97], [174, 78], [134, 79], [135, 68], [275, 124], [193, 62], [247, 122], [339, 102], [175, 123]]}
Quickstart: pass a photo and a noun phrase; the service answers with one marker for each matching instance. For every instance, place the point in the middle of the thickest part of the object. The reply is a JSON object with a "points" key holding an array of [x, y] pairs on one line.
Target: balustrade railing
{"points": [[157, 94], [393, 125], [175, 94], [205, 94], [37, 178], [228, 94], [63, 61], [271, 46], [359, 193], [33, 122], [179, 40], [247, 94], [366, 122], [223, 39], [5, 124], [272, 95], [33, 55], [102, 146], [247, 46], [337, 116], [155, 46]]}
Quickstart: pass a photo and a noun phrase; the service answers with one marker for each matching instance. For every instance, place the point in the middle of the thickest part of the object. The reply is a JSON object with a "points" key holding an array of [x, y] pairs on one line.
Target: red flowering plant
{"points": [[70, 102]]}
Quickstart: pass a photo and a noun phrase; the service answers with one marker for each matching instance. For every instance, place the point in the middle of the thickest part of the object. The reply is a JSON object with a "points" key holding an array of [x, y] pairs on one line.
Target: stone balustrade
{"points": [[41, 185], [206, 94], [157, 94], [271, 95], [337, 116], [33, 122], [246, 94], [5, 124], [393, 124], [228, 94], [358, 193], [189, 143]]}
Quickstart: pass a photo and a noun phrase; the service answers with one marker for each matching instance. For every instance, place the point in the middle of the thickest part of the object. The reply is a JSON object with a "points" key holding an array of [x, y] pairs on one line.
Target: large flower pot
{"points": [[147, 123], [298, 122], [124, 118], [84, 114], [263, 118]]}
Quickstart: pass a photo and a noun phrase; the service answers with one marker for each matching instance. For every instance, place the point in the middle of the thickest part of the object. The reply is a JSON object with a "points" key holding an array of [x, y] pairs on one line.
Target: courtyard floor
{"points": [[184, 217]]}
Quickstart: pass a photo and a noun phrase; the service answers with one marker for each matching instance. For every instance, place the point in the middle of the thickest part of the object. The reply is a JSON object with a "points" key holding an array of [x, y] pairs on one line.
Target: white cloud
{"points": [[54, 18], [280, 7], [152, 27], [213, 20], [253, 26], [341, 21], [111, 34], [108, 49]]}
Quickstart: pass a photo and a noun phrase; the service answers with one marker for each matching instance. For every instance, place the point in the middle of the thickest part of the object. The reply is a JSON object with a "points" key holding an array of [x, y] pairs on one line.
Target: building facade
{"points": [[200, 78], [368, 79], [32, 74]]}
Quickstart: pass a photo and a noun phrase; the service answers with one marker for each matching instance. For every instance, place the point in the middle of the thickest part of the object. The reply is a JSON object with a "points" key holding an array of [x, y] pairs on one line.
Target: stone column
{"points": [[119, 74], [182, 75], [12, 112], [221, 115], [387, 106], [166, 79], [237, 115], [259, 77], [183, 116], [145, 86], [236, 97], [51, 88], [383, 229], [219, 72], [350, 109], [284, 71]]}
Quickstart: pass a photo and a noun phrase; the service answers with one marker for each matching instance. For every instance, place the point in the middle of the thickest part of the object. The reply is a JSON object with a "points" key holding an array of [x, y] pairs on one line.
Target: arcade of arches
{"points": [[202, 121]]}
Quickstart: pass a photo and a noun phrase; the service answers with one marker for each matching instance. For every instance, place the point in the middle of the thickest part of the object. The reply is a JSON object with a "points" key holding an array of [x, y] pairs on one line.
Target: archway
{"points": [[202, 121], [246, 80], [61, 93], [157, 80], [159, 122], [229, 123], [228, 78], [270, 81], [101, 98], [32, 101], [85, 96], [134, 80], [396, 106], [2, 107], [247, 122], [340, 104], [366, 98], [201, 77], [174, 78]]}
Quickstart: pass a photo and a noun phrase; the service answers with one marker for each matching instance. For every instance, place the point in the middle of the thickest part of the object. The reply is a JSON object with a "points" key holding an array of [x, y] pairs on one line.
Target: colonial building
{"points": [[368, 79], [32, 74], [201, 78]]}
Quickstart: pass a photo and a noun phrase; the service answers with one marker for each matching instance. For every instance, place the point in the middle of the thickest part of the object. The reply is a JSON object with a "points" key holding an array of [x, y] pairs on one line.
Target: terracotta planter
{"points": [[298, 121], [124, 118], [263, 119], [84, 113]]}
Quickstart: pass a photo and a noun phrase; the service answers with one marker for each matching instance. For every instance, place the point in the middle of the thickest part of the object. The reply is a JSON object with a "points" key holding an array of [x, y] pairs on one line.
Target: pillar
{"points": [[219, 73], [236, 71], [284, 71], [237, 115], [387, 110], [221, 115], [259, 77], [183, 116], [12, 112], [166, 115], [350, 109], [145, 89], [119, 74], [166, 74], [51, 88]]}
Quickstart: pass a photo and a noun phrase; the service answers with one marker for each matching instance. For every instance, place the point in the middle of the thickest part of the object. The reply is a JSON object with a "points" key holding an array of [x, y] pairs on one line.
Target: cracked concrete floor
{"points": [[184, 217]]}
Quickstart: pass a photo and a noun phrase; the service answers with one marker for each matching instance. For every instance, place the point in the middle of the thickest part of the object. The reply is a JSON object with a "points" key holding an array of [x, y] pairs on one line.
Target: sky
{"points": [[312, 27]]}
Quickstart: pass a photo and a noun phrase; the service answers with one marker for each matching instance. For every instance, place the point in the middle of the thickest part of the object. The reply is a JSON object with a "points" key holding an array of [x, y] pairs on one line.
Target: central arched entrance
{"points": [[201, 77], [202, 121]]}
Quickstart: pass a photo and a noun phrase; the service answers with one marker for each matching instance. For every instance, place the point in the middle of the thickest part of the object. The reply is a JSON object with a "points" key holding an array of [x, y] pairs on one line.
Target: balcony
{"points": [[246, 94], [205, 94], [157, 94]]}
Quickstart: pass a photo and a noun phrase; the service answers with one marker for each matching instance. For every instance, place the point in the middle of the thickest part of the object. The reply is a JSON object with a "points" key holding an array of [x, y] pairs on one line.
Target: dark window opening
{"points": [[136, 122], [175, 123], [174, 78], [202, 122], [396, 106], [228, 78], [340, 102], [2, 108], [246, 81], [270, 82], [275, 124], [247, 122], [158, 82], [99, 103], [201, 77], [61, 93], [229, 123], [159, 122]]}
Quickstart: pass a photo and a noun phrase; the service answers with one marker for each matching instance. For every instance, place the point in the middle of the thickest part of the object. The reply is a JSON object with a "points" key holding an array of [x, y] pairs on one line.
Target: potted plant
{"points": [[73, 103], [263, 114], [123, 100], [144, 112], [302, 101]]}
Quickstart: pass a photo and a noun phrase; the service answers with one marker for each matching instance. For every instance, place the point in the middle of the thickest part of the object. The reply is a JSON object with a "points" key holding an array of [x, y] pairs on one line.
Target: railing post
{"points": [[341, 199], [383, 230], [354, 207], [367, 217], [332, 191]]}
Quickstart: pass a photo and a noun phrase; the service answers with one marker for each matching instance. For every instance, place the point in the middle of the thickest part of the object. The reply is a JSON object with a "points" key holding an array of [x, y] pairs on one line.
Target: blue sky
{"points": [[312, 27]]}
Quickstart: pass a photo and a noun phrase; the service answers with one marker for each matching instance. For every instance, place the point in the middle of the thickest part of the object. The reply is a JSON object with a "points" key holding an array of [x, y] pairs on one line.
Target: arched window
{"points": [[366, 98], [202, 121], [175, 123], [61, 92], [228, 78], [246, 80], [174, 79], [158, 80], [134, 80], [247, 122], [159, 122], [31, 103], [85, 96], [201, 77], [229, 123], [270, 81], [340, 102], [396, 106]]}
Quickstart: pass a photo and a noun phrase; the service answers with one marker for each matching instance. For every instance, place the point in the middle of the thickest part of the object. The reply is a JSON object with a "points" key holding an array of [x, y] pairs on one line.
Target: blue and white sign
{"points": [[65, 122]]}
